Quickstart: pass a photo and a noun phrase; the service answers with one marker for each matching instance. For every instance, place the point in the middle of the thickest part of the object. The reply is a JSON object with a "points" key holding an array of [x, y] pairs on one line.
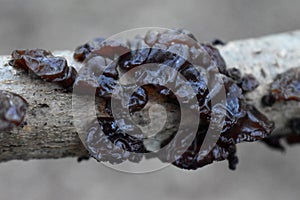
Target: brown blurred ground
{"points": [[57, 25]]}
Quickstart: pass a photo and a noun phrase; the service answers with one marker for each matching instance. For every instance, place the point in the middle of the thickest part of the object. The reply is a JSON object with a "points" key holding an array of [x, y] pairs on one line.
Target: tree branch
{"points": [[49, 131]]}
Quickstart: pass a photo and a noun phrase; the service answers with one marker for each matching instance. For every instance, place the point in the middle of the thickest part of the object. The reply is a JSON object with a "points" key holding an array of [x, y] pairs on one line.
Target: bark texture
{"points": [[49, 131]]}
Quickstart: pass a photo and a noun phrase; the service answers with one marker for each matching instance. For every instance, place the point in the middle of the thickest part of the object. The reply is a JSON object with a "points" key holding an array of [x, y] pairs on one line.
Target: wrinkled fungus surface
{"points": [[201, 65], [46, 66], [247, 82], [83, 51], [12, 110], [107, 142], [285, 87]]}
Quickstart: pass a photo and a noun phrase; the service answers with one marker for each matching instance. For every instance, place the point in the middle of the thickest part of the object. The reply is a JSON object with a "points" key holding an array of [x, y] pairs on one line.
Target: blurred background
{"points": [[59, 25]]}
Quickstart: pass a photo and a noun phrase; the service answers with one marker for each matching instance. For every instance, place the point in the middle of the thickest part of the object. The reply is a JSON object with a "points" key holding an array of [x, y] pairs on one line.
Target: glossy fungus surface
{"points": [[201, 66], [46, 66], [12, 110], [286, 86]]}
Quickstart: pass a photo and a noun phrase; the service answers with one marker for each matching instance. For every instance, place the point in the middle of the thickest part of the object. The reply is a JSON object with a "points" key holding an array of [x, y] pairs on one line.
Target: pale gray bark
{"points": [[265, 58], [49, 131]]}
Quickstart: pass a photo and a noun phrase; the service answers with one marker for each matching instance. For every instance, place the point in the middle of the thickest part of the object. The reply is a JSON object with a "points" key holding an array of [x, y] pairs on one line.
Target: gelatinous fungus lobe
{"points": [[107, 142], [83, 51], [243, 123], [12, 110], [100, 46], [46, 66], [201, 65], [284, 88], [246, 82], [98, 72]]}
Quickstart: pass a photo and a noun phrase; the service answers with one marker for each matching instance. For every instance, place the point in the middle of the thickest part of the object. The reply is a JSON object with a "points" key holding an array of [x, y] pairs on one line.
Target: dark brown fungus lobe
{"points": [[46, 66], [112, 49], [101, 47], [179, 36], [93, 69], [286, 86], [183, 31], [107, 142], [83, 51], [138, 100], [243, 123], [12, 110], [192, 159], [249, 83], [200, 65], [235, 74]]}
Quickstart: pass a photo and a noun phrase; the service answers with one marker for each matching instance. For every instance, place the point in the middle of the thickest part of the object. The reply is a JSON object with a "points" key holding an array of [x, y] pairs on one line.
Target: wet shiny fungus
{"points": [[286, 86], [12, 110], [243, 123], [46, 66], [200, 65], [247, 82], [106, 48], [83, 51], [107, 142]]}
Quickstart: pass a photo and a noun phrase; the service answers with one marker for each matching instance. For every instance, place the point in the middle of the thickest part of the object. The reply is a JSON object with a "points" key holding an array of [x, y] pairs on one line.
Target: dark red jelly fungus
{"points": [[286, 86], [192, 159], [138, 100], [235, 74], [46, 66], [94, 69], [182, 31], [112, 49], [248, 83], [12, 110], [107, 142], [243, 123], [102, 47], [198, 64], [83, 51]]}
